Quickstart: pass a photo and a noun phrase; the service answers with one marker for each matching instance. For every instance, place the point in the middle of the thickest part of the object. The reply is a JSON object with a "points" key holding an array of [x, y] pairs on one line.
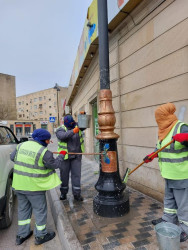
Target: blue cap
{"points": [[69, 121], [40, 135]]}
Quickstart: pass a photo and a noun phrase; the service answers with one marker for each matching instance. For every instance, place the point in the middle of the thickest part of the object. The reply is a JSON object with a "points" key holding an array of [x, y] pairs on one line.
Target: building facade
{"points": [[45, 106], [7, 97], [148, 43]]}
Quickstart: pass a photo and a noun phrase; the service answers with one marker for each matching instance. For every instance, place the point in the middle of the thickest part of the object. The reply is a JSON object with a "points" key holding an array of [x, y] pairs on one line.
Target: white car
{"points": [[8, 143]]}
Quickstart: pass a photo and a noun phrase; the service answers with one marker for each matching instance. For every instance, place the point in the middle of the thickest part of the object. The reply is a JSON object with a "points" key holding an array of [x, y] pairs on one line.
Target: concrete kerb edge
{"points": [[64, 228]]}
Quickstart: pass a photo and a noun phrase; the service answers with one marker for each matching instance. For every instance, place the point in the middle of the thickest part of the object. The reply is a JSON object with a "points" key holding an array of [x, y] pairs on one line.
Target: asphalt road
{"points": [[8, 236]]}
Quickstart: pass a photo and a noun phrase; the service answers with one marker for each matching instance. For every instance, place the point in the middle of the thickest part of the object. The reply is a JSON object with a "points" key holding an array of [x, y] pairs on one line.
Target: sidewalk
{"points": [[80, 228]]}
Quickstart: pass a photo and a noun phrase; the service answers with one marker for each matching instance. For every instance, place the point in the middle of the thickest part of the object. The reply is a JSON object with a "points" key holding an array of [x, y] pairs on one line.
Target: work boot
{"points": [[63, 197], [45, 238], [183, 237], [20, 240], [157, 221], [78, 197]]}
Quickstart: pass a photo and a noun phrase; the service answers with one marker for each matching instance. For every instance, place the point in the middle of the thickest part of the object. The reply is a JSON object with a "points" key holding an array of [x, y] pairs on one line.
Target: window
{"points": [[36, 113], [50, 107], [40, 98], [44, 97], [19, 103], [40, 106], [41, 112], [49, 99], [6, 137], [35, 106], [22, 102], [35, 99], [20, 116], [50, 114]]}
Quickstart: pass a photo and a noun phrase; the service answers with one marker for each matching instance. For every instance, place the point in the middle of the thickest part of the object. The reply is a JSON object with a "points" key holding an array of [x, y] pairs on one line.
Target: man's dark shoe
{"points": [[20, 240], [78, 197], [45, 238], [63, 197], [183, 237], [157, 221]]}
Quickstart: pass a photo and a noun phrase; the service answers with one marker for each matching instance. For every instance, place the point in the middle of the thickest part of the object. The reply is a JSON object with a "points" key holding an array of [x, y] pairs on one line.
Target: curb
{"points": [[67, 236]]}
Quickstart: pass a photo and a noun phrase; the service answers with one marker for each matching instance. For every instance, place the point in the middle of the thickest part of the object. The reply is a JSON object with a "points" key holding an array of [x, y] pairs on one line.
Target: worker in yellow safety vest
{"points": [[173, 163], [34, 174], [70, 140]]}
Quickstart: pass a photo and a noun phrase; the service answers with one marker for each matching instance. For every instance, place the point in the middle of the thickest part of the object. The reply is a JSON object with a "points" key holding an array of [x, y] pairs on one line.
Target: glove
{"points": [[180, 137], [63, 152], [76, 130], [146, 159]]}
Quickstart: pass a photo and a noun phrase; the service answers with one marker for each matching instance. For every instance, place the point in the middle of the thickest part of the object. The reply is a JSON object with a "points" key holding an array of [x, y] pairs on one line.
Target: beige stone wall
{"points": [[7, 97], [41, 105], [148, 67]]}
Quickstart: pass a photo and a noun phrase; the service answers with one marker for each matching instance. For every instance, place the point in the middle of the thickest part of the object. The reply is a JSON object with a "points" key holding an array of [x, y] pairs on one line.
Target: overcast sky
{"points": [[39, 41]]}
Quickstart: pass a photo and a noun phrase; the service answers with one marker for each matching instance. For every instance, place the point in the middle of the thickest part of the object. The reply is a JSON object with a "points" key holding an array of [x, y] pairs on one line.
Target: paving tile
{"points": [[86, 247], [127, 246], [95, 245], [142, 236], [111, 245], [131, 231], [88, 240], [127, 239], [115, 237], [140, 243]]}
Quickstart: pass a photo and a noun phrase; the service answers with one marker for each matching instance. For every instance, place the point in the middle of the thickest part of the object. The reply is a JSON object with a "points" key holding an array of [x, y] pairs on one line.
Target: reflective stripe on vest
{"points": [[35, 166], [30, 173], [173, 159], [63, 145]]}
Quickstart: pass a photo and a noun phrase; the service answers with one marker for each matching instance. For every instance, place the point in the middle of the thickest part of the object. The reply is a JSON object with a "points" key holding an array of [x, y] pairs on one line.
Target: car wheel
{"points": [[8, 213]]}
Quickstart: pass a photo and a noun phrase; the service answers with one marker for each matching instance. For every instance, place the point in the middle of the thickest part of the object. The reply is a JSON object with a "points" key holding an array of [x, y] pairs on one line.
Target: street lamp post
{"points": [[111, 200], [58, 89]]}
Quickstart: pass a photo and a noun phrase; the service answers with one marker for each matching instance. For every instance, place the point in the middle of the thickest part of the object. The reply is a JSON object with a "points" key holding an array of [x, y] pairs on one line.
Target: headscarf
{"points": [[69, 122], [165, 119], [40, 135]]}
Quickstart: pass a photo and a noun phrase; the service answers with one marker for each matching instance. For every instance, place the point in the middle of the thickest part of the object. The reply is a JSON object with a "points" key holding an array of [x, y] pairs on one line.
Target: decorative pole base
{"points": [[111, 200], [110, 206]]}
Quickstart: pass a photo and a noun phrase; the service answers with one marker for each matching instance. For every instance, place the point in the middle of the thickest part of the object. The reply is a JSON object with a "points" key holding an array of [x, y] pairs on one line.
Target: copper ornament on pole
{"points": [[106, 116]]}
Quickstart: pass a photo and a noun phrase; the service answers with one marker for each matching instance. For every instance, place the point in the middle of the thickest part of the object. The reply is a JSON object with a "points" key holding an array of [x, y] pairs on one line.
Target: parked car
{"points": [[8, 142]]}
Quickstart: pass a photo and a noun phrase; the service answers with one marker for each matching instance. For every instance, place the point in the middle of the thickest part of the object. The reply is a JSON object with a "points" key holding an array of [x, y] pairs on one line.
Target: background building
{"points": [[7, 97], [40, 106], [148, 43]]}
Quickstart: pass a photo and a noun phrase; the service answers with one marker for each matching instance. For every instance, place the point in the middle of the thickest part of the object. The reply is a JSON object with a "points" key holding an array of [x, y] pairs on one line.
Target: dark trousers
{"points": [[72, 166]]}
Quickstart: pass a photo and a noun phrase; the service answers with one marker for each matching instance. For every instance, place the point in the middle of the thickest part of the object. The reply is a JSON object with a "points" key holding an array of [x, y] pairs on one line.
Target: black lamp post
{"points": [[111, 200], [58, 89]]}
